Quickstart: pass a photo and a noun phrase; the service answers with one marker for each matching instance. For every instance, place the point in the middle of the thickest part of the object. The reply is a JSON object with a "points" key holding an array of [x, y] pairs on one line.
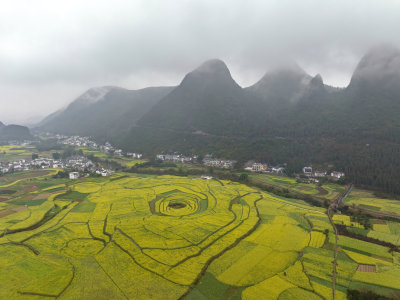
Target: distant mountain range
{"points": [[287, 116], [14, 132], [104, 111]]}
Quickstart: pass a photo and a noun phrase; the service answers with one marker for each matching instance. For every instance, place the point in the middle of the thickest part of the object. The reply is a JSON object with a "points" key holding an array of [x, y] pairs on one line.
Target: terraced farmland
{"points": [[329, 191], [15, 152], [166, 237], [367, 200]]}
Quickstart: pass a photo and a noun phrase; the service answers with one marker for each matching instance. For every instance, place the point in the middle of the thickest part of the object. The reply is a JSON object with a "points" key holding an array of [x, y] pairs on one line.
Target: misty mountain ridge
{"points": [[209, 100], [14, 132], [212, 73], [282, 84], [378, 70], [206, 98]]}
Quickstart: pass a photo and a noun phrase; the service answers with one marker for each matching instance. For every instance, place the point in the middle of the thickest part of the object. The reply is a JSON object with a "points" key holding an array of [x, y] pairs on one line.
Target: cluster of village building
{"points": [[84, 141], [211, 161], [177, 158], [78, 141], [208, 160], [78, 164], [308, 171], [263, 168], [251, 166], [75, 163]]}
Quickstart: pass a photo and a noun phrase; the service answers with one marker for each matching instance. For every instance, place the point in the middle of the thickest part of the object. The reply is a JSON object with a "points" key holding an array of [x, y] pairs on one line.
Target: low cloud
{"points": [[53, 50]]}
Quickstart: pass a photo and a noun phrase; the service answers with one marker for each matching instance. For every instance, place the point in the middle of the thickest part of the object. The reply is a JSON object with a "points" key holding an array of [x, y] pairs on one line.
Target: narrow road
{"points": [[345, 194], [331, 211]]}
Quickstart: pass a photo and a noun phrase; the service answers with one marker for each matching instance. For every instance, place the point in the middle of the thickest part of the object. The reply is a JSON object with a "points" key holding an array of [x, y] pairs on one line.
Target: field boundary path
{"points": [[338, 201]]}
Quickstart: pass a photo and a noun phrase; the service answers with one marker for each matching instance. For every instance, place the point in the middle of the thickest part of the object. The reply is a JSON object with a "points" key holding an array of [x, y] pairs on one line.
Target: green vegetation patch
{"points": [[363, 247], [7, 192], [394, 228], [55, 189], [298, 293], [29, 202], [84, 206], [371, 207], [211, 288], [360, 231], [34, 267], [73, 195], [377, 289]]}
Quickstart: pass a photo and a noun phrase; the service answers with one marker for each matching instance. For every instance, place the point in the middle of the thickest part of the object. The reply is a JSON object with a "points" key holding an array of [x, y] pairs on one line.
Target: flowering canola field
{"points": [[166, 237]]}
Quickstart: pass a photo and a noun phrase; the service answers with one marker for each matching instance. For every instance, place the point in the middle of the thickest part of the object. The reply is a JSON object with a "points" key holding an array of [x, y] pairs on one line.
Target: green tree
{"points": [[243, 177], [56, 155]]}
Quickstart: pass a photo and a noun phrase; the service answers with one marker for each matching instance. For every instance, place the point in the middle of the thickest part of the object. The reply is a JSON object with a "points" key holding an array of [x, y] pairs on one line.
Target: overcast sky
{"points": [[51, 51]]}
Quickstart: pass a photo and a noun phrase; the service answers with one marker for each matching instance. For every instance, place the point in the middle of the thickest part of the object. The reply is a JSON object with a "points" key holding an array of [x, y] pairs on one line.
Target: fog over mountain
{"points": [[54, 51], [379, 70]]}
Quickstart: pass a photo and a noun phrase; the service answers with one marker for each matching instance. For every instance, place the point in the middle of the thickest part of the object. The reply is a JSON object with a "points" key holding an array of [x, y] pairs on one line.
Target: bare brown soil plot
{"points": [[30, 188], [366, 268], [334, 195], [20, 208], [4, 179], [29, 197], [32, 174], [379, 222], [322, 191], [6, 212], [42, 196]]}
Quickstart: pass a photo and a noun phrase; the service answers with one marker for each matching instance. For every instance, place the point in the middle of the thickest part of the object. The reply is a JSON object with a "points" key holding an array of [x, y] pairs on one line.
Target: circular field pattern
{"points": [[83, 247], [177, 203]]}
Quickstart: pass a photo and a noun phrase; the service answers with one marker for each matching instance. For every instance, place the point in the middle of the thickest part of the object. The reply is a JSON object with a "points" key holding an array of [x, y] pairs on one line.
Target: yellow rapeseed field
{"points": [[132, 237]]}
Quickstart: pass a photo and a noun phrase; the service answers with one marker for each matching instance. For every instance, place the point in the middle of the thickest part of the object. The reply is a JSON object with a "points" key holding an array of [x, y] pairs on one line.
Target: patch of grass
{"points": [[212, 289], [360, 231], [29, 202], [84, 206], [72, 195]]}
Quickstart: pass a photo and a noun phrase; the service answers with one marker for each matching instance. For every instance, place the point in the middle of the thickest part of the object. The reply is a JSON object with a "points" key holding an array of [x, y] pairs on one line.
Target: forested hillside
{"points": [[14, 132]]}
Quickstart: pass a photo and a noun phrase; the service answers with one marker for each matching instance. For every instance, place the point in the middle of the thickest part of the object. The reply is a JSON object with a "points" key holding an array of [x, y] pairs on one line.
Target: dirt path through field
{"points": [[331, 210]]}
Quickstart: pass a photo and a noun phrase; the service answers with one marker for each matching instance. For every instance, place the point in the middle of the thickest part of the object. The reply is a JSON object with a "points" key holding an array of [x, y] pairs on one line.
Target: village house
{"points": [[73, 175], [104, 172], [256, 167], [320, 173], [307, 171], [337, 175], [118, 152], [134, 155], [277, 170]]}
